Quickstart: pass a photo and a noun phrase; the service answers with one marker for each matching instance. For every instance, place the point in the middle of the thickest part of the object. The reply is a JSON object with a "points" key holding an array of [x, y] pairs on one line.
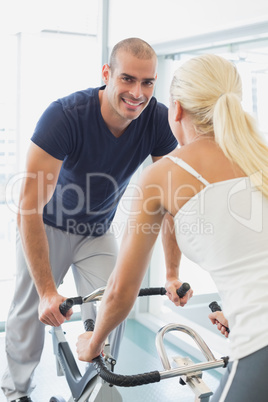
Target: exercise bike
{"points": [[103, 386]]}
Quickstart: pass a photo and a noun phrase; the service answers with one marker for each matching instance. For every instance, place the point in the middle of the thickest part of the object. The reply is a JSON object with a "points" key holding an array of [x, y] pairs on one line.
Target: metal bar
{"points": [[94, 296], [183, 328], [178, 371]]}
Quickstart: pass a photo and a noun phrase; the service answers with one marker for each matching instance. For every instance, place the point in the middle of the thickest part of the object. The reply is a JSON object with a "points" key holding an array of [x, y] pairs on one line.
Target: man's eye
{"points": [[148, 83], [126, 79]]}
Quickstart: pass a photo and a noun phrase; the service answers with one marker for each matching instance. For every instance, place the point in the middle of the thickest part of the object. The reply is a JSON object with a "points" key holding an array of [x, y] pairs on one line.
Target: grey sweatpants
{"points": [[245, 380], [92, 259]]}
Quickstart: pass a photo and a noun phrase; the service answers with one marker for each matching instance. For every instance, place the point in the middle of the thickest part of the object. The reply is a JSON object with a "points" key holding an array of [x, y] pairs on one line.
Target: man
{"points": [[83, 153]]}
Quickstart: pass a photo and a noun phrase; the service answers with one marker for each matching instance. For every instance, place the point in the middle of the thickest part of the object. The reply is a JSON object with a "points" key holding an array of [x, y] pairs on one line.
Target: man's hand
{"points": [[49, 312], [218, 318], [85, 350], [171, 288]]}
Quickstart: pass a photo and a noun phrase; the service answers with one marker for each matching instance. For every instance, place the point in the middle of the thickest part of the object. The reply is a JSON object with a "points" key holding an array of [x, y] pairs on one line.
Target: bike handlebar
{"points": [[97, 295], [181, 292], [69, 303], [153, 376], [124, 380], [156, 376]]}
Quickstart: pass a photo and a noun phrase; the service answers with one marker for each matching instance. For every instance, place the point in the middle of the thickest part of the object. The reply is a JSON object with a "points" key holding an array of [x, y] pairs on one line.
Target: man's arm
{"points": [[37, 188]]}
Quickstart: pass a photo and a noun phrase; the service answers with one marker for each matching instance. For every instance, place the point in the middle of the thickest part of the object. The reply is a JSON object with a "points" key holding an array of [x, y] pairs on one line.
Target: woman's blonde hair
{"points": [[209, 88]]}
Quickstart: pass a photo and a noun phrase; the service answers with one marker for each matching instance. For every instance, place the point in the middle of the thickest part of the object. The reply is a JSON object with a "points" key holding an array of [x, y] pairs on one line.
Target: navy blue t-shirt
{"points": [[97, 166]]}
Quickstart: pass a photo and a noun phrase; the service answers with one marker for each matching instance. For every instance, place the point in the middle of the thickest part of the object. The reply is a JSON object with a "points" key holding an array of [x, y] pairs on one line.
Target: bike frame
{"points": [[97, 388]]}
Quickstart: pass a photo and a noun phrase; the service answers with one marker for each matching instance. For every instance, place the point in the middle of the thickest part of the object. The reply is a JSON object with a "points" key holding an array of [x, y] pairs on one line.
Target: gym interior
{"points": [[56, 47]]}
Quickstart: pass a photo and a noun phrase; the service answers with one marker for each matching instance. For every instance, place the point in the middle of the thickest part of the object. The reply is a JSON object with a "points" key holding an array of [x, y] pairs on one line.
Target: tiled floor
{"points": [[137, 355]]}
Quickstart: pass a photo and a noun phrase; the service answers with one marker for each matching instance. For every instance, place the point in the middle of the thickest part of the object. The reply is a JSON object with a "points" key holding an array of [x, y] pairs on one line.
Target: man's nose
{"points": [[136, 90]]}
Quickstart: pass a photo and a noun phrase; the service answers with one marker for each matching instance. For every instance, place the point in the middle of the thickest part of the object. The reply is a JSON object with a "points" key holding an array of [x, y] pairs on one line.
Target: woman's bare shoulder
{"points": [[207, 158]]}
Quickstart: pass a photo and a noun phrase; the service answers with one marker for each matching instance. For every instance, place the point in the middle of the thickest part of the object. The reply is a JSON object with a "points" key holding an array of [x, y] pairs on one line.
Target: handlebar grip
{"points": [[214, 306], [124, 380], [69, 303], [183, 289], [66, 306], [152, 291], [89, 324]]}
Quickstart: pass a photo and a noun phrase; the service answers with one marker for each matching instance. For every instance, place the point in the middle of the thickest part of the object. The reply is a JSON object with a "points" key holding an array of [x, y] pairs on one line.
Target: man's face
{"points": [[130, 85]]}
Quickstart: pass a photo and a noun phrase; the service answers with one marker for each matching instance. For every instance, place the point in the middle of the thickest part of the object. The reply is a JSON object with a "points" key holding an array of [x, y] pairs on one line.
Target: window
{"points": [[50, 58]]}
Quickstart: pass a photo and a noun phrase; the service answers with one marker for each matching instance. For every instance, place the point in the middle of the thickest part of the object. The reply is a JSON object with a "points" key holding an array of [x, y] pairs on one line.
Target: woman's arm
{"points": [[172, 260], [218, 318], [141, 232]]}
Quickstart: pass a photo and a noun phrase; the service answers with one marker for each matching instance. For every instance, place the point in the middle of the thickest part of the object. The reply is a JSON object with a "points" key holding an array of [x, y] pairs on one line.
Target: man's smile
{"points": [[132, 103]]}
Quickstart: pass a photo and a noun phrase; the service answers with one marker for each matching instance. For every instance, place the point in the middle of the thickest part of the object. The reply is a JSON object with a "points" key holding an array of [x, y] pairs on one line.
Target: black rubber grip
{"points": [[124, 380], [183, 289], [118, 379], [69, 303], [152, 292], [89, 325], [214, 306]]}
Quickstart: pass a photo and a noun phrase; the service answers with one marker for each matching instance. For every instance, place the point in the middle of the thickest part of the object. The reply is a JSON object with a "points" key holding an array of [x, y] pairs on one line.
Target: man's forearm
{"points": [[35, 246]]}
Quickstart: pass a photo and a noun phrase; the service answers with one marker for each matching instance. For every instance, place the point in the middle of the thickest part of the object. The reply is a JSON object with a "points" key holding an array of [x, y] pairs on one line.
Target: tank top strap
{"points": [[188, 168]]}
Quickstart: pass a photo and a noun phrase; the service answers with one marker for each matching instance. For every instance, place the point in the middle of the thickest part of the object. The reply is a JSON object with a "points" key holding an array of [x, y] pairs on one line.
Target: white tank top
{"points": [[224, 229]]}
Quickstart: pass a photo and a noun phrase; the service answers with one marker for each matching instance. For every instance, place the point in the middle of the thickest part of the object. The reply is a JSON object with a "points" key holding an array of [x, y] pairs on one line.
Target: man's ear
{"points": [[178, 111], [105, 73]]}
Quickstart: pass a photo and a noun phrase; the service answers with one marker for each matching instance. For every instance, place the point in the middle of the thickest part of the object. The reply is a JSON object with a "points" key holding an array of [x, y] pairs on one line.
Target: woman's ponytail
{"points": [[236, 133], [209, 88]]}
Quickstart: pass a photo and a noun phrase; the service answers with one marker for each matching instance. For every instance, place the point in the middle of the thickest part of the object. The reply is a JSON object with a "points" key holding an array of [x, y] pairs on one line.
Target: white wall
{"points": [[51, 66], [175, 19]]}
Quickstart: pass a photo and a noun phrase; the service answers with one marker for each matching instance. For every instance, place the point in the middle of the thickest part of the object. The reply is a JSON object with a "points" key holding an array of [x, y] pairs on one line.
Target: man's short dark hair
{"points": [[135, 46]]}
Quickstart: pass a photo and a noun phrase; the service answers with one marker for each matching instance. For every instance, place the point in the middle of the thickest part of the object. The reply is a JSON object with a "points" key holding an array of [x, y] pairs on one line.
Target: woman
{"points": [[218, 182]]}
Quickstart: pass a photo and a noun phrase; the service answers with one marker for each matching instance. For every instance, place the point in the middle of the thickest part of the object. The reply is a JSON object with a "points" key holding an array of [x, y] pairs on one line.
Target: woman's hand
{"points": [[171, 287], [222, 324], [85, 348]]}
